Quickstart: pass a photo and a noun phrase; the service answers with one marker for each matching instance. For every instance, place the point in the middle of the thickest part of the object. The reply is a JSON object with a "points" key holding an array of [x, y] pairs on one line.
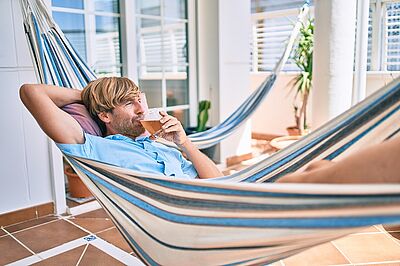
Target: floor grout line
{"points": [[107, 229], [22, 230], [22, 244], [341, 252], [33, 219], [116, 252], [2, 228], [52, 252], [83, 253], [77, 225]]}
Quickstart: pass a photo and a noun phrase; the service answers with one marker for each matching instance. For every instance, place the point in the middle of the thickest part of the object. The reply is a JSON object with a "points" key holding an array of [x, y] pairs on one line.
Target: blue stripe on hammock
{"points": [[313, 222]]}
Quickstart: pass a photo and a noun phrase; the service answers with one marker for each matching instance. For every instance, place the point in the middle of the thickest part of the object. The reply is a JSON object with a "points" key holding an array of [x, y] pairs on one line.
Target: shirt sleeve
{"points": [[188, 168], [80, 150]]}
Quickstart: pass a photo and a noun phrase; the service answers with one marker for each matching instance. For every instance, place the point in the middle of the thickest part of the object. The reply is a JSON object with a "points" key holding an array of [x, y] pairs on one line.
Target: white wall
{"points": [[223, 30], [275, 113], [24, 158]]}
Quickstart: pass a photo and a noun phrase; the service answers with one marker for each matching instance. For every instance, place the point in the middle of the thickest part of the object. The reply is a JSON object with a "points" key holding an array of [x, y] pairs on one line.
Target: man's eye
{"points": [[128, 103]]}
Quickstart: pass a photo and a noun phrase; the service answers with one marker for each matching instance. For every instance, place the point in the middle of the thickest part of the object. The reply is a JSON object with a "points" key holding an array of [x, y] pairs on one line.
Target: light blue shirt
{"points": [[142, 154]]}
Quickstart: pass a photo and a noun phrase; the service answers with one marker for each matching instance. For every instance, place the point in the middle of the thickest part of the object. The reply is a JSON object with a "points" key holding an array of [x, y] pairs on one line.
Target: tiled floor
{"points": [[92, 239]]}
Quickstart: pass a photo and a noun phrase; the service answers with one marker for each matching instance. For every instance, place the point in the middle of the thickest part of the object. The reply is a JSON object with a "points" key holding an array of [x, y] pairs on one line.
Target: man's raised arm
{"points": [[44, 102]]}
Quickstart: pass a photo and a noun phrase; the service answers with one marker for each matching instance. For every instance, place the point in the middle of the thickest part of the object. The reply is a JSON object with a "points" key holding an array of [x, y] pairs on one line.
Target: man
{"points": [[116, 102]]}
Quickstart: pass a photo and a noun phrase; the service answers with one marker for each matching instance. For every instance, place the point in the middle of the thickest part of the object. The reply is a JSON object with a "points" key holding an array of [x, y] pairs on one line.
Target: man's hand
{"points": [[172, 129]]}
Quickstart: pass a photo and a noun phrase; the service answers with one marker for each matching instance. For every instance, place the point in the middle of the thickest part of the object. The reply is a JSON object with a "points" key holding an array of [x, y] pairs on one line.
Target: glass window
{"points": [[148, 7], [107, 5], [177, 92], [99, 47], [258, 6], [152, 88], [150, 43], [182, 115], [175, 9], [73, 26], [108, 52], [393, 36], [174, 45], [163, 54], [270, 31], [78, 4]]}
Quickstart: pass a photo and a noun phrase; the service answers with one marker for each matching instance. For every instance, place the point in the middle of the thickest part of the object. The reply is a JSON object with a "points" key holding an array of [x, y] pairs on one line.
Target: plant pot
{"points": [[293, 131], [76, 187]]}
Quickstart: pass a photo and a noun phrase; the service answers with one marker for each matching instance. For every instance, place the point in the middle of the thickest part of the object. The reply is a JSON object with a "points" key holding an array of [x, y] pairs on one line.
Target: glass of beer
{"points": [[151, 121]]}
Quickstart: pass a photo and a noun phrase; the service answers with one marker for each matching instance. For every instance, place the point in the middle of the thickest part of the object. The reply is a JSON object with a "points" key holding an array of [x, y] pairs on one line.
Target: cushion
{"points": [[81, 115]]}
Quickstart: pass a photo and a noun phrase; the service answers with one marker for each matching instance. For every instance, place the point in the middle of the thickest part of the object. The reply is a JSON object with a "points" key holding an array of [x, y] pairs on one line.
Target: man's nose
{"points": [[139, 109]]}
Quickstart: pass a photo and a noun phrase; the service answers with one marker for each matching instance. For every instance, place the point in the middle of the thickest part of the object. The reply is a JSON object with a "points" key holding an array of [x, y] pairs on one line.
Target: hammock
{"points": [[225, 220], [57, 63]]}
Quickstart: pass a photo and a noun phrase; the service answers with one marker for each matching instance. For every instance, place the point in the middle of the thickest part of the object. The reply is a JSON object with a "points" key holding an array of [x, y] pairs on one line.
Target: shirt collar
{"points": [[122, 137]]}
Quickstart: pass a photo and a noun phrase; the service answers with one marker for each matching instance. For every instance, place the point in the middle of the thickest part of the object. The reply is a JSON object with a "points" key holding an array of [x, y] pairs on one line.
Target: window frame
{"points": [[191, 76], [378, 48], [89, 15]]}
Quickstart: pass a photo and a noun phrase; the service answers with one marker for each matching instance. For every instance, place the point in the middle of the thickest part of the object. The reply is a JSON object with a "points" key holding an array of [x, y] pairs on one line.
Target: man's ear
{"points": [[104, 117]]}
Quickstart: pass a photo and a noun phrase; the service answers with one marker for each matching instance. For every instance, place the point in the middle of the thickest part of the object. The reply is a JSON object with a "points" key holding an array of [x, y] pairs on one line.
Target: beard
{"points": [[132, 128]]}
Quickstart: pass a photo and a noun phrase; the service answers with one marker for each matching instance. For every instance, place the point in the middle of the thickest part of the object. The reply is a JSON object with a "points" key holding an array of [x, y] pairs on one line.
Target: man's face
{"points": [[125, 118]]}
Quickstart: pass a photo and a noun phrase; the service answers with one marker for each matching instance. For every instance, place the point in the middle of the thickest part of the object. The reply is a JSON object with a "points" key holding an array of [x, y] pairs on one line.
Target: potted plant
{"points": [[202, 118], [302, 83], [76, 188]]}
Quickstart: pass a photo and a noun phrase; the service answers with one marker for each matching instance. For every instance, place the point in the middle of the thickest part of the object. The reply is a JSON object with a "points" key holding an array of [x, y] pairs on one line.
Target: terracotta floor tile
{"points": [[94, 256], [93, 225], [114, 237], [2, 232], [99, 213], [11, 250], [365, 248], [325, 254], [30, 223], [49, 235], [70, 257]]}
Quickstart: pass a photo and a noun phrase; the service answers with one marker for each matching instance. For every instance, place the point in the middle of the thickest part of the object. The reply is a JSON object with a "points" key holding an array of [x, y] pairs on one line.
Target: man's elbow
{"points": [[24, 91], [27, 93]]}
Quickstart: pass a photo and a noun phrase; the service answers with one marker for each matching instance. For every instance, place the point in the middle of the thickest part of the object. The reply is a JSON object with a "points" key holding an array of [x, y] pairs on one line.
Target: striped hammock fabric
{"points": [[239, 219], [57, 63], [198, 222]]}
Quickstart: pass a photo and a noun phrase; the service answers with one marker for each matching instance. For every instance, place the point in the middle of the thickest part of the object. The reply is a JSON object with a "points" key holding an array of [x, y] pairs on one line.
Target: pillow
{"points": [[79, 112], [81, 115]]}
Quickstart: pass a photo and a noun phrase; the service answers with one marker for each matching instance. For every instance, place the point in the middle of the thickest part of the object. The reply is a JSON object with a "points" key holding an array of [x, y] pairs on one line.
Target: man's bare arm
{"points": [[44, 102], [172, 130], [205, 167], [376, 164]]}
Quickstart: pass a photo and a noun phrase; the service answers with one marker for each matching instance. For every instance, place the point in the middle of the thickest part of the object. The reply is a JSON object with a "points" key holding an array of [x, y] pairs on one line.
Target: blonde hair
{"points": [[104, 94]]}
